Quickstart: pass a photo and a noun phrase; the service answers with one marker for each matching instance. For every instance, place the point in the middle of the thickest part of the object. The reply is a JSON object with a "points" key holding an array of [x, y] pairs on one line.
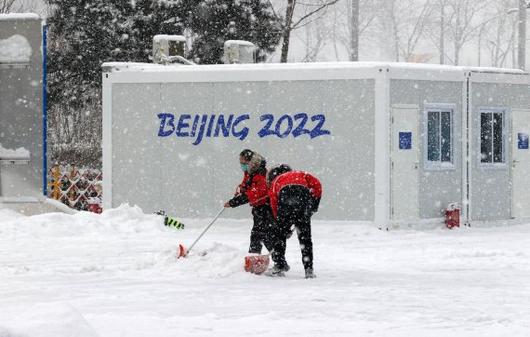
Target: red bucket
{"points": [[256, 264]]}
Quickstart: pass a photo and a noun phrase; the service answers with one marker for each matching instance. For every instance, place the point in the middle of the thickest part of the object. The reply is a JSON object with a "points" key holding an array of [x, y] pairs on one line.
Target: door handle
{"points": [[416, 165]]}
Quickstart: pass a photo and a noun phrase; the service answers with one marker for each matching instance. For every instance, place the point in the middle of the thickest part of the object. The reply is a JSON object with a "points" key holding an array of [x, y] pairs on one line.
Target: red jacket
{"points": [[252, 190], [294, 178]]}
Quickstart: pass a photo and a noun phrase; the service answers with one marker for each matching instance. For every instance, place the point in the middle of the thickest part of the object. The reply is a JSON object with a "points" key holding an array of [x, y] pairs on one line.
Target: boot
{"points": [[278, 271], [309, 273]]}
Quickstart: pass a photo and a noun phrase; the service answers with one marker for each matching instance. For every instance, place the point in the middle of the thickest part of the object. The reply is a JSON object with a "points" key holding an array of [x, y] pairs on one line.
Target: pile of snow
{"points": [[116, 274], [15, 49], [48, 320], [20, 153]]}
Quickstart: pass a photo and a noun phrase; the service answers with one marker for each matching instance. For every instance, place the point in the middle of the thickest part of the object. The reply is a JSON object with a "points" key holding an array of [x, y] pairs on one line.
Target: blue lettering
{"points": [[210, 125], [194, 127], [266, 130], [279, 123], [201, 130], [166, 120], [201, 126], [225, 127], [300, 129], [182, 125], [243, 133], [318, 130]]}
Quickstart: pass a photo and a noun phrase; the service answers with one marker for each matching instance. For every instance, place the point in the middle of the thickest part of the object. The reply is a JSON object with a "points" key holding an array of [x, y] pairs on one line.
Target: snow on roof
{"points": [[20, 153], [150, 67], [496, 70], [162, 37], [19, 16], [15, 49], [239, 42]]}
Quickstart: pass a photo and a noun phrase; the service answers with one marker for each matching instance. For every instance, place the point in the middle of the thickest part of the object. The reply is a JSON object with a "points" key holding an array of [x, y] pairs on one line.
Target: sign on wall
{"points": [[522, 141], [405, 140], [200, 126]]}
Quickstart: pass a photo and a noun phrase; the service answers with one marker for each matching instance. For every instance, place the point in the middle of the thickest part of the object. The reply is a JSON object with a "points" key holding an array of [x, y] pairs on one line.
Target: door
{"points": [[520, 163], [405, 163]]}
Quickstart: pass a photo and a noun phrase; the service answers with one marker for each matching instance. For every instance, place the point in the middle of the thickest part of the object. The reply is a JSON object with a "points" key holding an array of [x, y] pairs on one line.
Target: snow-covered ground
{"points": [[116, 275]]}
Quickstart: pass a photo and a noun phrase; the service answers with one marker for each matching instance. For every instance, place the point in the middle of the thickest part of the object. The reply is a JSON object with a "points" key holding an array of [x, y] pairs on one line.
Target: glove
{"points": [[238, 200]]}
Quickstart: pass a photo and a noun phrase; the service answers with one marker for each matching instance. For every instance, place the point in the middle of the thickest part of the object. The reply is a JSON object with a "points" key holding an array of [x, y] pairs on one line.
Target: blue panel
{"points": [[522, 141], [405, 140]]}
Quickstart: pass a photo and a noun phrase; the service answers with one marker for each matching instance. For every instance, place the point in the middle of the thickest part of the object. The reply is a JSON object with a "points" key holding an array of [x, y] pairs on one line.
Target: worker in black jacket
{"points": [[294, 198]]}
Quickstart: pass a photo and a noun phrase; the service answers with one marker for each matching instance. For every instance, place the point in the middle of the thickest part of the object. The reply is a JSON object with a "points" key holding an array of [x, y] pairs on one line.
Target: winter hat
{"points": [[256, 161], [247, 154], [277, 170]]}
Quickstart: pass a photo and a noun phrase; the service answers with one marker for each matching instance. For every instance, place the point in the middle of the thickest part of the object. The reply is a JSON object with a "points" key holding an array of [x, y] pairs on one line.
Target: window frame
{"points": [[492, 110], [438, 165]]}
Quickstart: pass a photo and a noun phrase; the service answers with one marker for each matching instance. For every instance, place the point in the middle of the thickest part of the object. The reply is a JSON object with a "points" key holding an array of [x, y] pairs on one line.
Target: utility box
{"points": [[239, 51], [22, 117], [168, 48]]}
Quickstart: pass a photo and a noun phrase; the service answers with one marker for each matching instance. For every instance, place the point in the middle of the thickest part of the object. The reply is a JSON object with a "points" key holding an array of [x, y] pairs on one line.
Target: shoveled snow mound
{"points": [[116, 274], [48, 320]]}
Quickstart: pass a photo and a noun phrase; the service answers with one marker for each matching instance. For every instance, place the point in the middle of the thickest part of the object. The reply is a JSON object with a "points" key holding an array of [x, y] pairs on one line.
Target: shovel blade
{"points": [[256, 264], [182, 251]]}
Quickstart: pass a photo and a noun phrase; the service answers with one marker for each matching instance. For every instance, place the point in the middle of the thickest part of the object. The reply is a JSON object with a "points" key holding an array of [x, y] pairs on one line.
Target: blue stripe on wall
{"points": [[44, 111]]}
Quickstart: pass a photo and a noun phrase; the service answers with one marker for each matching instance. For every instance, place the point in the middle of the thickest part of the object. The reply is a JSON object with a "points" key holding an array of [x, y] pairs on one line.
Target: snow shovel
{"points": [[183, 252]]}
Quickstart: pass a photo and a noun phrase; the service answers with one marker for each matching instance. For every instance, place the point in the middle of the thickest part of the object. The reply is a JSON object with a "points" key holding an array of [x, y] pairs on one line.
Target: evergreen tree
{"points": [[215, 21], [83, 34]]}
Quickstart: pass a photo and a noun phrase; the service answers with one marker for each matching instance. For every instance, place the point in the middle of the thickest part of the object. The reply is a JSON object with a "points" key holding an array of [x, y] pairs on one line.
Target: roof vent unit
{"points": [[170, 49], [237, 51]]}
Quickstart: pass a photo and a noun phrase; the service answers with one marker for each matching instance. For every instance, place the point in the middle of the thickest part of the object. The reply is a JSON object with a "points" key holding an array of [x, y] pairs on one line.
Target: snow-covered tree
{"points": [[464, 18], [86, 33], [403, 25], [82, 36], [497, 33], [297, 15], [214, 21], [6, 6]]}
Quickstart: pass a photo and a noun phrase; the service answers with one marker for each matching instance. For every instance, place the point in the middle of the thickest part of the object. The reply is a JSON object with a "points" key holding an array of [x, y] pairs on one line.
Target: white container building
{"points": [[394, 144]]}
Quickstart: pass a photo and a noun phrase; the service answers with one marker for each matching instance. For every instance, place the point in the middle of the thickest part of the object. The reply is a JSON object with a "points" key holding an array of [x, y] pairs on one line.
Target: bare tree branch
{"points": [[6, 6], [327, 4]]}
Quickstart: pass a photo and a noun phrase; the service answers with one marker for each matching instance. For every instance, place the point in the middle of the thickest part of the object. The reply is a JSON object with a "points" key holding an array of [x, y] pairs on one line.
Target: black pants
{"points": [[261, 230], [294, 209]]}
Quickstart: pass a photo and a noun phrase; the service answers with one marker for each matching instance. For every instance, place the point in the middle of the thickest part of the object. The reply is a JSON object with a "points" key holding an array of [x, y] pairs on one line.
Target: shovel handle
{"points": [[206, 229]]}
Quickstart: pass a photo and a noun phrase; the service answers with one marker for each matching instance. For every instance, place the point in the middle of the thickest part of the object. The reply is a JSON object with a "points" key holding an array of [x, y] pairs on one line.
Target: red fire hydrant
{"points": [[452, 216]]}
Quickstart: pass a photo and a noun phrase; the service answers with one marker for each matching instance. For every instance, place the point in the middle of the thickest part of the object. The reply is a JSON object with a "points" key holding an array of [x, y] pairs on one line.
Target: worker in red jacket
{"points": [[253, 190], [294, 197]]}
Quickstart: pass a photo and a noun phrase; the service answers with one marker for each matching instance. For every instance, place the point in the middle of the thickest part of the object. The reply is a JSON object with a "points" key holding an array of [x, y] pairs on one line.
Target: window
{"points": [[439, 137], [492, 137]]}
